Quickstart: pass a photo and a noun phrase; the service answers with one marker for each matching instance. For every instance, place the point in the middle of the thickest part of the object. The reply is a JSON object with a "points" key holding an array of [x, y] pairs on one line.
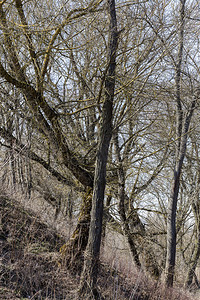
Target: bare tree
{"points": [[29, 71], [182, 128], [91, 262]]}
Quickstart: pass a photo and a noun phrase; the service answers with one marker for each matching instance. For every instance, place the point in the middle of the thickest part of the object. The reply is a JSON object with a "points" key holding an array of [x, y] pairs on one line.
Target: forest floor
{"points": [[30, 264]]}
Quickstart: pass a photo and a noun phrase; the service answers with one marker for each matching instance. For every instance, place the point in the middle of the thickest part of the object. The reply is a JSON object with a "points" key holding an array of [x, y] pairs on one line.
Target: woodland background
{"points": [[99, 131]]}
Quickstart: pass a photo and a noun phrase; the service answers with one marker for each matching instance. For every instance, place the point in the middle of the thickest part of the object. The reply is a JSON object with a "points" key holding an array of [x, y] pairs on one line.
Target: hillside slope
{"points": [[30, 264], [29, 255]]}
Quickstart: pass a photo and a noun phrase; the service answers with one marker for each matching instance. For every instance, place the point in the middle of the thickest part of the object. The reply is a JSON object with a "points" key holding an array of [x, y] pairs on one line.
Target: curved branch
{"points": [[24, 150], [79, 12]]}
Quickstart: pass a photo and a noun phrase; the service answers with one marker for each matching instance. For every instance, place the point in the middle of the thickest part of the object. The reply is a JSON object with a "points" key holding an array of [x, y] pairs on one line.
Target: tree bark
{"points": [[172, 205], [179, 156], [73, 251], [88, 284], [196, 211]]}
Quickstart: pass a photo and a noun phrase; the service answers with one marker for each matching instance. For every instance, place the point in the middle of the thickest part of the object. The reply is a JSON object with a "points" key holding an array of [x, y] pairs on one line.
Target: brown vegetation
{"points": [[99, 120], [30, 264]]}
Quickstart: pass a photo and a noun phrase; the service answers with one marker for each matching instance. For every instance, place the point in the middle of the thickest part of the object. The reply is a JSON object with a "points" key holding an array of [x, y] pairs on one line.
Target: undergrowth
{"points": [[30, 265]]}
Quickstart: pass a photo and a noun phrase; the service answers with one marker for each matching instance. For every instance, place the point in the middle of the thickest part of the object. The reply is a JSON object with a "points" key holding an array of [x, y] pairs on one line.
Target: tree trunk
{"points": [[122, 212], [72, 252], [191, 272], [172, 205], [88, 284], [181, 141], [196, 255], [171, 231]]}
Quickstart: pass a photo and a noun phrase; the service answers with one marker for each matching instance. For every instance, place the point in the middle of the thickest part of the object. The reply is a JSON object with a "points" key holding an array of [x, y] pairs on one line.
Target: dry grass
{"points": [[30, 269]]}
